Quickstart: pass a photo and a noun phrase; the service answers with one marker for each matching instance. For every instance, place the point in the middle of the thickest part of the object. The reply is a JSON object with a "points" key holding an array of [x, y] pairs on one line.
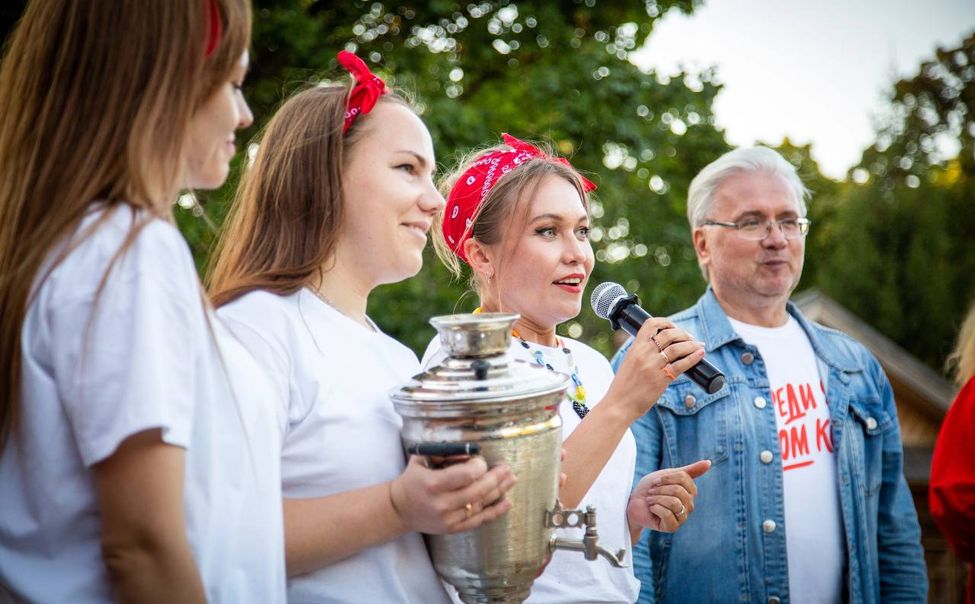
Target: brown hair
{"points": [[96, 99], [497, 210], [962, 359], [282, 226]]}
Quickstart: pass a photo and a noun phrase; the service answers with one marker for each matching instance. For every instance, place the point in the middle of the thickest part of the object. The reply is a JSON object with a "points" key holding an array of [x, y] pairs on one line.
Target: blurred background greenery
{"points": [[892, 241]]}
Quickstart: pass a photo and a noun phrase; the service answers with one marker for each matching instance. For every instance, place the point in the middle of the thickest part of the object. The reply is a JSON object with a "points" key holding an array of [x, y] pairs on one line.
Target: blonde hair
{"points": [[96, 100], [498, 208], [962, 359], [283, 225]]}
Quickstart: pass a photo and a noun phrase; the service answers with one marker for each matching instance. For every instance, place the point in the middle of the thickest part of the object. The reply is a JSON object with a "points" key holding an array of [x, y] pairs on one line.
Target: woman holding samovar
{"points": [[519, 218]]}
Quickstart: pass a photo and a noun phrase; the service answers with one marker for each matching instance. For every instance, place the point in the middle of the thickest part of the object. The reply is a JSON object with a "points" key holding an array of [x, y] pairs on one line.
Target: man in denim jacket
{"points": [[806, 499]]}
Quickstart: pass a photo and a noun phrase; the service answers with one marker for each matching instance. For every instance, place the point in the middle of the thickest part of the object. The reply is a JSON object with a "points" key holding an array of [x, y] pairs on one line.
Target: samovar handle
{"points": [[589, 544]]}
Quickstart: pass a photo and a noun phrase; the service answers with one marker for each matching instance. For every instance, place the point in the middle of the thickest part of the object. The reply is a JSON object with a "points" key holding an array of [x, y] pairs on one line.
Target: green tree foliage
{"points": [[897, 248], [549, 71], [892, 242]]}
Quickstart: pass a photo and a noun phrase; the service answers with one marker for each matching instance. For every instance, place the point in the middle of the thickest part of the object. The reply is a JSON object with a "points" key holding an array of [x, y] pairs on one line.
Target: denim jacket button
{"points": [[871, 423], [689, 400], [774, 600], [765, 456], [768, 526], [747, 358], [760, 402]]}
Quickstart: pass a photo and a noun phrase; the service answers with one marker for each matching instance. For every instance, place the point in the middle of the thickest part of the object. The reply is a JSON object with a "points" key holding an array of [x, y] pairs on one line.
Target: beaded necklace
{"points": [[578, 396]]}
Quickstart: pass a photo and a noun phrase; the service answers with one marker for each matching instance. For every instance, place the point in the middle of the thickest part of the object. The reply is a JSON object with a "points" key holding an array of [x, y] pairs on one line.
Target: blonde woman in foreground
{"points": [[138, 450]]}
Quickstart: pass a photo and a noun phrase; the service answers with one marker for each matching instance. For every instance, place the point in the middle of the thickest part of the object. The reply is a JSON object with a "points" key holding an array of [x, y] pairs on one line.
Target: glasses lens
{"points": [[796, 228], [792, 228], [752, 229]]}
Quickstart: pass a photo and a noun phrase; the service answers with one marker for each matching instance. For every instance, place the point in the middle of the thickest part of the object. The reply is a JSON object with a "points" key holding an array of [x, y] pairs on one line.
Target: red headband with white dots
{"points": [[468, 193]]}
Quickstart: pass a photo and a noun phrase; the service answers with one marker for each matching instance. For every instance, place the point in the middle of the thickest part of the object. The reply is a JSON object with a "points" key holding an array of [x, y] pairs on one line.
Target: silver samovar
{"points": [[482, 400]]}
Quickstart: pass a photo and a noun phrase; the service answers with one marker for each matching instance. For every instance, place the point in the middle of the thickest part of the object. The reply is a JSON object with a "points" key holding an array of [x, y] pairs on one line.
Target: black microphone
{"points": [[610, 301]]}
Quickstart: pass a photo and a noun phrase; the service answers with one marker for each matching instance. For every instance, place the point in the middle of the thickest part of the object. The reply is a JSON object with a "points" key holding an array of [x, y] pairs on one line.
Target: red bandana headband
{"points": [[476, 182], [214, 28], [367, 90]]}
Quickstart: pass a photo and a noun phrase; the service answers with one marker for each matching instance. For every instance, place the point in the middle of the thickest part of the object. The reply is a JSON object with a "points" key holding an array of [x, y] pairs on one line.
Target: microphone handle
{"points": [[631, 318]]}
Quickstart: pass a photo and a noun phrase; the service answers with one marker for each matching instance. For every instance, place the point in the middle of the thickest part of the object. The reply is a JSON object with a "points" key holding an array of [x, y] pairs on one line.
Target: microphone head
{"points": [[605, 297]]}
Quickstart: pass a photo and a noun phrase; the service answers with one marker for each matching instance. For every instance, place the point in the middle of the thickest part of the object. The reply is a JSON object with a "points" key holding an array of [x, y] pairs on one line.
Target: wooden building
{"points": [[923, 397]]}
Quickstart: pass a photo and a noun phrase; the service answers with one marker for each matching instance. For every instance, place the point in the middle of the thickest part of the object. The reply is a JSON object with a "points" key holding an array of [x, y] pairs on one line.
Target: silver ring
{"points": [[656, 343], [666, 358], [681, 511]]}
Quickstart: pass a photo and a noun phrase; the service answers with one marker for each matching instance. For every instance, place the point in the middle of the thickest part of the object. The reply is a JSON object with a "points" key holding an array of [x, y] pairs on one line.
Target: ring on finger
{"points": [[666, 358], [469, 509], [669, 373], [656, 343], [681, 511]]}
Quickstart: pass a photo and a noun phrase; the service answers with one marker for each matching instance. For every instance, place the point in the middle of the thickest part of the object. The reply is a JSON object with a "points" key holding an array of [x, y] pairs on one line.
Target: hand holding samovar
{"points": [[482, 400]]}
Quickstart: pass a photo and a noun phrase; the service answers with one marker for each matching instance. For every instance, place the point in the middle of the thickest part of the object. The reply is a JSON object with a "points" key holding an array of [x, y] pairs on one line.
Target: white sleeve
{"points": [[271, 355], [127, 363], [434, 354]]}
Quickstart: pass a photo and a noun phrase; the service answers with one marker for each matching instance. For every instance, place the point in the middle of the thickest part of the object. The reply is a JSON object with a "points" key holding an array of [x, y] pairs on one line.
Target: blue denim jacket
{"points": [[722, 554]]}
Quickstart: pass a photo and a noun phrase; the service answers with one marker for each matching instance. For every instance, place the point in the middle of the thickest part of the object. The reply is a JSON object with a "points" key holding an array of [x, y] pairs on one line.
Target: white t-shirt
{"points": [[813, 530], [343, 432], [142, 357], [569, 577]]}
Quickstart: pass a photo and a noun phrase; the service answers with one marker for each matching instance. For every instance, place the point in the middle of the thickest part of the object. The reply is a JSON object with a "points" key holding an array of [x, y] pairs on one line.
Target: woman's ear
{"points": [[480, 259]]}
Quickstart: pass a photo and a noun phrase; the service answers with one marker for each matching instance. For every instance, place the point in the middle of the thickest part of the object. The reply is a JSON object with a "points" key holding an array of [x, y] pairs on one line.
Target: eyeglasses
{"points": [[756, 230]]}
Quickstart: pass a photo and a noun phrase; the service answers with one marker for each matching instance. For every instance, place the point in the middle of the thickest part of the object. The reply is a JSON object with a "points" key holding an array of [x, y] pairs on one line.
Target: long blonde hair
{"points": [[962, 360], [283, 225], [96, 100]]}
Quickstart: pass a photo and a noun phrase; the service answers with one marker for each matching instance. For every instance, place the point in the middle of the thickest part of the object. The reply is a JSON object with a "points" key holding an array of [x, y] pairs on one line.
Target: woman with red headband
{"points": [[519, 218], [137, 451], [339, 200]]}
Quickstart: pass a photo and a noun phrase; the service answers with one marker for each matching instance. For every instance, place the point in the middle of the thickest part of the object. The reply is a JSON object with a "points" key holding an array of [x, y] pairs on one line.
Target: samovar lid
{"points": [[478, 368]]}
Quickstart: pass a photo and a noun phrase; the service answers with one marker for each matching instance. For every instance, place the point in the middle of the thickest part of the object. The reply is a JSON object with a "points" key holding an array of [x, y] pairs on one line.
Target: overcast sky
{"points": [[813, 70]]}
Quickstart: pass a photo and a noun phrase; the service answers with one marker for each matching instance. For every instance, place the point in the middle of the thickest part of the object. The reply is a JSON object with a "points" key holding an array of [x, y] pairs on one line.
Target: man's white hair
{"points": [[700, 195]]}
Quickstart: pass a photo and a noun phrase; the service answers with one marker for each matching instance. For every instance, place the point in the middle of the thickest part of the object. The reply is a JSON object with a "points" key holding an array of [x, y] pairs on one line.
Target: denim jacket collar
{"points": [[716, 331]]}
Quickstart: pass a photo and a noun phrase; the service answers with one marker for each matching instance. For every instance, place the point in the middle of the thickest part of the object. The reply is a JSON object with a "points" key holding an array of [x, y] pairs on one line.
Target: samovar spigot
{"points": [[589, 544]]}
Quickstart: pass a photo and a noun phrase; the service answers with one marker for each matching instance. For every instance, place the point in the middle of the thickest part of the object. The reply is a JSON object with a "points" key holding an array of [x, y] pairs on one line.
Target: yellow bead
{"points": [[580, 393]]}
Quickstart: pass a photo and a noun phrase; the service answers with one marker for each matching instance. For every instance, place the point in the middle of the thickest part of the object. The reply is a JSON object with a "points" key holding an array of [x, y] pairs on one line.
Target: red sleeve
{"points": [[952, 491]]}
